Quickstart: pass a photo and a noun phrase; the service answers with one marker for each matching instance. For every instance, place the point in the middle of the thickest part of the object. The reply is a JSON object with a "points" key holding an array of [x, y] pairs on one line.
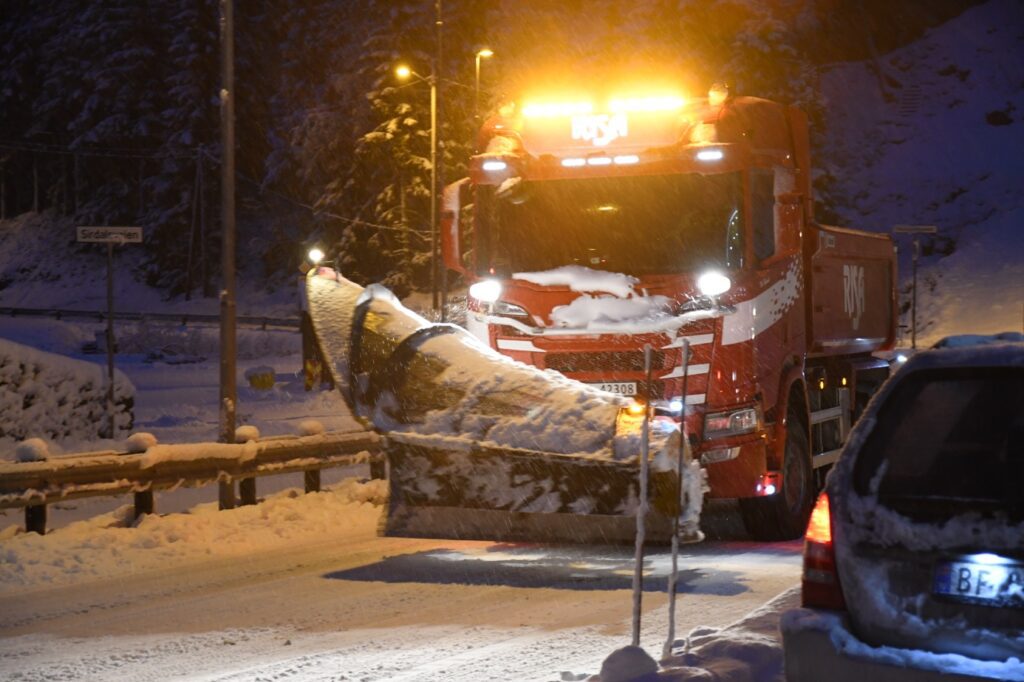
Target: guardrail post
{"points": [[35, 518], [378, 467], [312, 479], [144, 503], [247, 490], [226, 495]]}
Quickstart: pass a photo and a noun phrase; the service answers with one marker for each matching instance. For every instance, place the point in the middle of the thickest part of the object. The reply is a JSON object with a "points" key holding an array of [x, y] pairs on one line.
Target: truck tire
{"points": [[783, 516]]}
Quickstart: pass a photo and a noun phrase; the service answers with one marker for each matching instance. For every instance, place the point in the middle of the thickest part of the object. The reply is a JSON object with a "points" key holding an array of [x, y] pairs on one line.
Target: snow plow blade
{"points": [[479, 446], [506, 494]]}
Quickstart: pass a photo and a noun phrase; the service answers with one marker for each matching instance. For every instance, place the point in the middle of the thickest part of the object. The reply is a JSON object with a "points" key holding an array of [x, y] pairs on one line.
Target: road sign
{"points": [[110, 235]]}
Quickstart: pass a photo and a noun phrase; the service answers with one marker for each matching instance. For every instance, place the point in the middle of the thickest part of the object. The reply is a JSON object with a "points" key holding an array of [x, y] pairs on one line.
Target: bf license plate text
{"points": [[992, 582]]}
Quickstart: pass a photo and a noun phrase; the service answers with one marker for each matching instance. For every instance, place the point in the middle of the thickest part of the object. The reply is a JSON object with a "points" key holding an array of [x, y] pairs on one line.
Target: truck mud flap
{"points": [[445, 490]]}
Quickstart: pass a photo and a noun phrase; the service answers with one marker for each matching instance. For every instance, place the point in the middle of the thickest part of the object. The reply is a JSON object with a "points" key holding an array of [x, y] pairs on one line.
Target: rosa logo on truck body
{"points": [[853, 292], [600, 129]]}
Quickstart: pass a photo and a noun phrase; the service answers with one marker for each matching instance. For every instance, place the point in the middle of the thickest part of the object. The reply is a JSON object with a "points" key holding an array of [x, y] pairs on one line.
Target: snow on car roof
{"points": [[962, 340]]}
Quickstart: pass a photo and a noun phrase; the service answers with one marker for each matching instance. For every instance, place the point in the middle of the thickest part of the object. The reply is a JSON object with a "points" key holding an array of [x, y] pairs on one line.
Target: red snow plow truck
{"points": [[588, 229]]}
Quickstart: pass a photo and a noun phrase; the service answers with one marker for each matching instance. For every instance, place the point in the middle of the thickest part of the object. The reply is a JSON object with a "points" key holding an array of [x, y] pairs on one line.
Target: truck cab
{"points": [[590, 229]]}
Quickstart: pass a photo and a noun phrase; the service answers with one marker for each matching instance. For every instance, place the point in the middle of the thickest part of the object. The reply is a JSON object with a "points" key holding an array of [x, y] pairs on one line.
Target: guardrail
{"points": [[183, 318], [33, 485]]}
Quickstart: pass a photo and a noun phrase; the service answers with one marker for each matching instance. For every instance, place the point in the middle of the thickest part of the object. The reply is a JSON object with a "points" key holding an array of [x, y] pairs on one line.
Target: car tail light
{"points": [[820, 584]]}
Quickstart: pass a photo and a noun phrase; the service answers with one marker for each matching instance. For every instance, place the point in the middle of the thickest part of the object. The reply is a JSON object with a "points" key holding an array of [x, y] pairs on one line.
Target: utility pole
{"points": [[228, 389], [914, 230], [437, 177]]}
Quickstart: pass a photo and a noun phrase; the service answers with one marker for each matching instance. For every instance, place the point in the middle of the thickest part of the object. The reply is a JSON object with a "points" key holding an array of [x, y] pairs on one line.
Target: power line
{"points": [[113, 152], [316, 211], [109, 152]]}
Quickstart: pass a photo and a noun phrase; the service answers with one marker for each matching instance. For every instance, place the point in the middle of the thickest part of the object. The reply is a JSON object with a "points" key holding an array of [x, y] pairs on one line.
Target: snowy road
{"points": [[360, 607]]}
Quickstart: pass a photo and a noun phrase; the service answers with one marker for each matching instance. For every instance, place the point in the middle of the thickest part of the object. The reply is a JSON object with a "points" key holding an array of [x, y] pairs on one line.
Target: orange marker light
{"points": [[819, 528]]}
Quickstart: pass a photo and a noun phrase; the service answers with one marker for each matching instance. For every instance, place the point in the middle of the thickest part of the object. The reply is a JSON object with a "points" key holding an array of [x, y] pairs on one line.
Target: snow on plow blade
{"points": [[480, 446]]}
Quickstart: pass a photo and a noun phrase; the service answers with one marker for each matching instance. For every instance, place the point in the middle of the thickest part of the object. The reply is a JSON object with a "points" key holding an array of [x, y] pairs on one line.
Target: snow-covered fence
{"points": [[45, 394], [33, 485]]}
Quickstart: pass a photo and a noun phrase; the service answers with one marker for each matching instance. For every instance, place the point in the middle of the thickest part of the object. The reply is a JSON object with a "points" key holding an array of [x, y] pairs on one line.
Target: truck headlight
{"points": [[731, 423], [486, 290], [713, 283]]}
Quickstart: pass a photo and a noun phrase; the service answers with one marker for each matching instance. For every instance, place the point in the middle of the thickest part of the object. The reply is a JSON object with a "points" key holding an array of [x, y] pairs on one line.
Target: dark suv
{"points": [[914, 556]]}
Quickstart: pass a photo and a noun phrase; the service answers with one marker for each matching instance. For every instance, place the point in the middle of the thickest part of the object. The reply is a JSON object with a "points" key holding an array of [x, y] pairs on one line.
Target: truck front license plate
{"points": [[617, 387], [987, 580]]}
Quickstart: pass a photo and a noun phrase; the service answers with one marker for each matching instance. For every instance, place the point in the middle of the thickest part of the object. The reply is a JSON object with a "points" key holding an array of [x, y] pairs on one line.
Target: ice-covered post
{"points": [[641, 511], [311, 478], [35, 518], [144, 502], [33, 450], [144, 498], [674, 577], [247, 477]]}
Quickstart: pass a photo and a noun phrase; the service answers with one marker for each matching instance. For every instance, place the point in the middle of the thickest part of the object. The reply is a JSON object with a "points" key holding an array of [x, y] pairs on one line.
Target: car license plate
{"points": [[990, 580], [617, 387]]}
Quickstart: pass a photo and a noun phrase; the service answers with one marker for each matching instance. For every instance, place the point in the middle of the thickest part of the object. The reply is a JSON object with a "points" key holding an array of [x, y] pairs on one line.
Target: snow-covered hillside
{"points": [[935, 139], [42, 266]]}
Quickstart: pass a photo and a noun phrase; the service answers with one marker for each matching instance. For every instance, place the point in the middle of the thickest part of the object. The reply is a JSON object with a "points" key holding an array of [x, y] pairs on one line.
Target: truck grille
{"points": [[603, 361]]}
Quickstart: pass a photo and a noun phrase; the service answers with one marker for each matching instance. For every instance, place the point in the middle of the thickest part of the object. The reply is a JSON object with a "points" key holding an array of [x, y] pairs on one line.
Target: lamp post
{"points": [[484, 53], [914, 230], [403, 72], [228, 341]]}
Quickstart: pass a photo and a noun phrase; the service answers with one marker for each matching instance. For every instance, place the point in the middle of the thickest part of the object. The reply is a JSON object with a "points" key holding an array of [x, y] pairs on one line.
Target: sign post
{"points": [[914, 230], [110, 236]]}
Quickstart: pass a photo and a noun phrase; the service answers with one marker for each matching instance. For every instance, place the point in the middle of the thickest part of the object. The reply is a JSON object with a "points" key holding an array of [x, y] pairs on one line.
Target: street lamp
{"points": [[404, 72], [484, 53], [914, 230]]}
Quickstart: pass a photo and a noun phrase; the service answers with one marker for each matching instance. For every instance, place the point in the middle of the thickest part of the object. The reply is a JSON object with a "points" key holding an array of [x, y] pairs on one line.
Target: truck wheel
{"points": [[783, 516]]}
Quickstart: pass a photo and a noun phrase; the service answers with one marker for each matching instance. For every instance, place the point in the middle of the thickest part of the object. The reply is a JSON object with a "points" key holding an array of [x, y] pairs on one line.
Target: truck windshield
{"points": [[638, 225]]}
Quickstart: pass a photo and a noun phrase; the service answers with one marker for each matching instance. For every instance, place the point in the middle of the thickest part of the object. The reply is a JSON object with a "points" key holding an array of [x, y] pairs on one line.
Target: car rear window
{"points": [[948, 441]]}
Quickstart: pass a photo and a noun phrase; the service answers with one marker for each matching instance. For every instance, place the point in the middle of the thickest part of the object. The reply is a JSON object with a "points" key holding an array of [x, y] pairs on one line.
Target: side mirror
{"points": [[451, 206]]}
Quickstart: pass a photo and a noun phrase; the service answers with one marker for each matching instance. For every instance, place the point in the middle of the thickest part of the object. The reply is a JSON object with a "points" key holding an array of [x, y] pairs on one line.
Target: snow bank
{"points": [[747, 650], [43, 394], [107, 546], [845, 642]]}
